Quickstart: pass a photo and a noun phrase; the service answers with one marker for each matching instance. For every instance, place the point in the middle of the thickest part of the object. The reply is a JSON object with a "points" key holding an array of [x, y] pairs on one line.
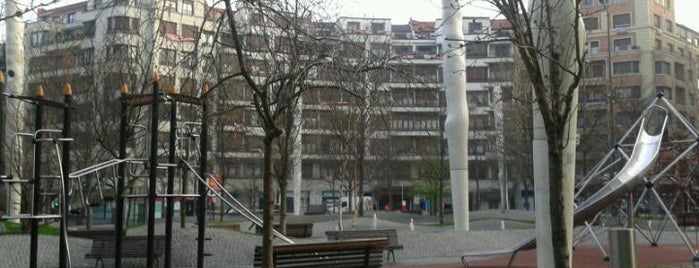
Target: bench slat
{"points": [[335, 254], [104, 247], [390, 234]]}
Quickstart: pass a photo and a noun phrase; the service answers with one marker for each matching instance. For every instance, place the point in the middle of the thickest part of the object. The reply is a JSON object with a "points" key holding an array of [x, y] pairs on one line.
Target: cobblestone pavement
{"points": [[428, 243]]}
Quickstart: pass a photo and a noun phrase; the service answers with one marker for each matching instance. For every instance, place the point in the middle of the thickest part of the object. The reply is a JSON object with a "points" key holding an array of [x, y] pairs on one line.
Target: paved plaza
{"points": [[429, 245]]}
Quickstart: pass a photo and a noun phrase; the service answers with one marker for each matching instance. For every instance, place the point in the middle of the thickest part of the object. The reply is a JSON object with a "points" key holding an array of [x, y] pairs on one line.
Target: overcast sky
{"points": [[400, 11]]}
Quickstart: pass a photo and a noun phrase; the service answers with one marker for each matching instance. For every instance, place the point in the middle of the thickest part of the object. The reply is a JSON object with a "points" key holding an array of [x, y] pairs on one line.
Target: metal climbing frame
{"points": [[649, 182], [39, 137]]}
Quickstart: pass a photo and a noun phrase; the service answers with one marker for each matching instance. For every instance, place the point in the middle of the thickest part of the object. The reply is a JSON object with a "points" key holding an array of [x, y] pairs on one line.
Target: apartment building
{"points": [[98, 45], [635, 50]]}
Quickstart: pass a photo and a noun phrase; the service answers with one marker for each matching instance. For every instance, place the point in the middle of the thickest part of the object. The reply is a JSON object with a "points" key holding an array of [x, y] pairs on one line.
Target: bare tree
{"points": [[549, 37], [278, 54]]}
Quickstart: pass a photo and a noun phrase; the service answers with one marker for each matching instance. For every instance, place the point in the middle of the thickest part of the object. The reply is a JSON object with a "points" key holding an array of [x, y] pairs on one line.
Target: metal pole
{"points": [[153, 172], [36, 204], [119, 221], [203, 149], [170, 181], [65, 155]]}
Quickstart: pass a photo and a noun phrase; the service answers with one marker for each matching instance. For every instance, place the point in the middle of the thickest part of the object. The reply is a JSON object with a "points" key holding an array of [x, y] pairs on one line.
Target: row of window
{"points": [[597, 94], [187, 6], [494, 72], [622, 44], [603, 2], [619, 21], [597, 69]]}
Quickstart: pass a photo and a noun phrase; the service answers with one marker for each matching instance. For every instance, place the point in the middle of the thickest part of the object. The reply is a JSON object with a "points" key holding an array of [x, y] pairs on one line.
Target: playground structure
{"points": [[637, 167], [651, 128], [124, 172]]}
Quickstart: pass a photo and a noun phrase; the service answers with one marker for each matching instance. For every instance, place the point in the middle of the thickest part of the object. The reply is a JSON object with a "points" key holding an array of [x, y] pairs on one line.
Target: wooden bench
{"points": [[103, 247], [332, 254], [85, 233], [300, 230], [390, 234]]}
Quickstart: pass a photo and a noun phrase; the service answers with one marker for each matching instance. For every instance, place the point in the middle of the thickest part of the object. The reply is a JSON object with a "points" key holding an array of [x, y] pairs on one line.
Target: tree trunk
{"points": [[268, 195], [283, 205]]}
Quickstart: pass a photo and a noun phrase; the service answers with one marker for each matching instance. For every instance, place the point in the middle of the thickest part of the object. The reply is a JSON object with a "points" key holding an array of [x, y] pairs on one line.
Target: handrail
{"points": [[254, 220]]}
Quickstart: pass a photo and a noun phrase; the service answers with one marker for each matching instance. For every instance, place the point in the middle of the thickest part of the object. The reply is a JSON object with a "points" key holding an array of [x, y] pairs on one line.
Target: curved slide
{"points": [[645, 152]]}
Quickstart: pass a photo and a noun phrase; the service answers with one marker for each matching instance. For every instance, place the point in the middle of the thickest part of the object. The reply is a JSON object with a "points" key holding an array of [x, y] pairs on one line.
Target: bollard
{"points": [[622, 247]]}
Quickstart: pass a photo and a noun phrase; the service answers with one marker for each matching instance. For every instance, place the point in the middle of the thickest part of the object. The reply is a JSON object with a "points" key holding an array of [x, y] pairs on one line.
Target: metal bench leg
{"points": [[512, 259], [98, 260], [464, 262], [391, 253]]}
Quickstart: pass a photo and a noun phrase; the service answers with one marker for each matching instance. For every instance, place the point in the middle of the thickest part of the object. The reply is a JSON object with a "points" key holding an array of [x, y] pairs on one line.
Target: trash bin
{"points": [[622, 247]]}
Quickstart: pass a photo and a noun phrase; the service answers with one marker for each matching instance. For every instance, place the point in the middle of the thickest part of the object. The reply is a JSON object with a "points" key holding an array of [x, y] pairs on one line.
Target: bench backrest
{"points": [[390, 234], [131, 246], [350, 253], [292, 229]]}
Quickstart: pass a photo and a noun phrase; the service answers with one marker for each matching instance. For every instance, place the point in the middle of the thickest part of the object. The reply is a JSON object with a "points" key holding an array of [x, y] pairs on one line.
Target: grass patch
{"points": [[16, 228]]}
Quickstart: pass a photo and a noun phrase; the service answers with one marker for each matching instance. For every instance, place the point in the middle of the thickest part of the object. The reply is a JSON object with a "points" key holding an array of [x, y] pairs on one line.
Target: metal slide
{"points": [[645, 152], [227, 197]]}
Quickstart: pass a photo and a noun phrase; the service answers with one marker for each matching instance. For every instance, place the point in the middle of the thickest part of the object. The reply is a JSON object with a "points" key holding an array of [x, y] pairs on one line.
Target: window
{"points": [[626, 67], [189, 33], [377, 28], [669, 26], [587, 2], [628, 92], [666, 91], [679, 71], [118, 52], [478, 98], [508, 94], [501, 50], [501, 72], [662, 67], [668, 4], [658, 44], [89, 29], [477, 50], [593, 47], [403, 50], [680, 51], [353, 27], [475, 27], [596, 69], [168, 57], [71, 18], [657, 21], [167, 27], [39, 38], [477, 74], [621, 1], [622, 44], [188, 8], [681, 93], [621, 20], [122, 25], [170, 5], [591, 23], [86, 57], [121, 2]]}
